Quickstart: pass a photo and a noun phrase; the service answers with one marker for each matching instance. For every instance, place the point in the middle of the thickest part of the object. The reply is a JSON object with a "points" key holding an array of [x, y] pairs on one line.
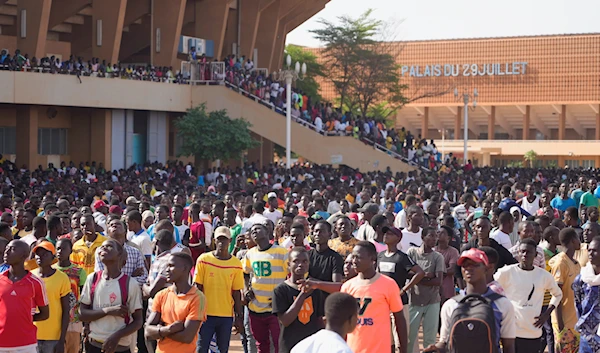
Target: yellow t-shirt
{"points": [[83, 256], [268, 268], [219, 278], [564, 271], [57, 286]]}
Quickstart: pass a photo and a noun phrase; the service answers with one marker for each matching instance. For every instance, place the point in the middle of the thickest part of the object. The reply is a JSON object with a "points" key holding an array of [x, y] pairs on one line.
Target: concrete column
{"points": [[101, 137], [526, 122], [250, 13], [561, 125], [425, 123], [267, 33], [561, 161], [167, 17], [231, 32], [267, 152], [486, 159], [211, 22], [492, 123], [598, 127], [36, 13], [457, 121], [107, 19], [255, 154], [27, 132]]}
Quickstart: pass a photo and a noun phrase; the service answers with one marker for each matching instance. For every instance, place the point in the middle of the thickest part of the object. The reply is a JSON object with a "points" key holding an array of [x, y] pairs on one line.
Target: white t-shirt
{"points": [[182, 228], [254, 219], [273, 216], [531, 207], [400, 220], [507, 325], [525, 290], [324, 341], [29, 239], [107, 294], [318, 124], [410, 239], [502, 239], [366, 232], [142, 241]]}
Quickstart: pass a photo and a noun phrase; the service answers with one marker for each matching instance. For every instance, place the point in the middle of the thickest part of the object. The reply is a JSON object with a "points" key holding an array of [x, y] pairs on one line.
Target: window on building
{"points": [[175, 144], [8, 140], [572, 163], [588, 163], [52, 141]]}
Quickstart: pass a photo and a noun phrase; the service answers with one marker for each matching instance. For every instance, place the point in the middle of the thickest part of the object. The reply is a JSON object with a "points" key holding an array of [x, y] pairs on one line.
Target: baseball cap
{"points": [[353, 217], [131, 200], [271, 195], [115, 209], [473, 254], [45, 245], [369, 207], [223, 231], [515, 208], [393, 230], [99, 203]]}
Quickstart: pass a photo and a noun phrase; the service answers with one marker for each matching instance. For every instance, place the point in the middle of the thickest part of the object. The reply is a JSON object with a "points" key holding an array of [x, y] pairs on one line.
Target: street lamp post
{"points": [[466, 97], [288, 75]]}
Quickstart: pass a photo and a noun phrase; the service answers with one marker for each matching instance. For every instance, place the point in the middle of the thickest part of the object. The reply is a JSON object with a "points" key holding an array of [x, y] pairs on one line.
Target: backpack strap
{"points": [[494, 296], [95, 280], [124, 287]]}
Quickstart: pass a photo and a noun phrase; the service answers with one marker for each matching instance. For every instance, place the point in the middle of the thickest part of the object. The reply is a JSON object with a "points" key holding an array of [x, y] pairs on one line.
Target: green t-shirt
{"points": [[589, 200], [235, 231]]}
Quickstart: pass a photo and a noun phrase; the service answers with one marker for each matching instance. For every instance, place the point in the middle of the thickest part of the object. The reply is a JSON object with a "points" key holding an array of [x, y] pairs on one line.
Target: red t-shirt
{"points": [[197, 232], [17, 303]]}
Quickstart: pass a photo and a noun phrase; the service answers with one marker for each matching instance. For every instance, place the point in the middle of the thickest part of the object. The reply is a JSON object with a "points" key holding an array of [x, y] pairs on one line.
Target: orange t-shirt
{"points": [[172, 308], [377, 298]]}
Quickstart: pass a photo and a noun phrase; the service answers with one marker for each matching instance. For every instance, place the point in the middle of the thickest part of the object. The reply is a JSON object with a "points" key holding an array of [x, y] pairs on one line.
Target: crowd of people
{"points": [[166, 258]]}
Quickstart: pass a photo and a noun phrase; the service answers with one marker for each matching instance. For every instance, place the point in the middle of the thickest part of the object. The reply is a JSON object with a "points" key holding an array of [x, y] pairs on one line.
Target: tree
{"points": [[213, 135], [342, 42], [530, 156], [309, 85]]}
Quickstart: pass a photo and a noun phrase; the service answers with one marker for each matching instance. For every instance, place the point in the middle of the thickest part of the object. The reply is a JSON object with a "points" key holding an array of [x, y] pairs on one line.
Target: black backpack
{"points": [[473, 326]]}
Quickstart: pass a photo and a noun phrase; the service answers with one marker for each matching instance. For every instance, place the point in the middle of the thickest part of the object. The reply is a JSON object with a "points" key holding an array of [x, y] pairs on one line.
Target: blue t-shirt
{"points": [[561, 204], [576, 196], [152, 233]]}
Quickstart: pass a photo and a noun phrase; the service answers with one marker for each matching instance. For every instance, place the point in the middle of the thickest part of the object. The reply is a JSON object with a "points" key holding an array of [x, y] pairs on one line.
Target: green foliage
{"points": [[363, 71], [530, 157], [213, 135], [309, 85], [515, 164]]}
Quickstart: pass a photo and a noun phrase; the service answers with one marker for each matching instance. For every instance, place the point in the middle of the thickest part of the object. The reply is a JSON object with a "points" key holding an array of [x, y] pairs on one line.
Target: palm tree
{"points": [[530, 156]]}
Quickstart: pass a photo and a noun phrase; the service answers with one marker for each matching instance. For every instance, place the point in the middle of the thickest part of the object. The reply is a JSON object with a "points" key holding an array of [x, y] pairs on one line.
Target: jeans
{"points": [[547, 334], [247, 339], [46, 346], [219, 325], [265, 329], [429, 316]]}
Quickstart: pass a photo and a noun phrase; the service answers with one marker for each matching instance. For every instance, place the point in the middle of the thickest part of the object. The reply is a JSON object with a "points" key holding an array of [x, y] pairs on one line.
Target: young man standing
{"points": [[341, 317], [527, 231], [411, 236], [474, 266], [177, 311], [272, 212], [345, 242], [54, 229], [502, 234], [299, 311], [19, 290], [85, 248], [199, 241], [268, 266], [565, 268], [324, 263], [425, 296], [111, 303], [220, 277], [77, 278], [397, 265], [524, 285], [51, 333], [587, 300], [138, 235]]}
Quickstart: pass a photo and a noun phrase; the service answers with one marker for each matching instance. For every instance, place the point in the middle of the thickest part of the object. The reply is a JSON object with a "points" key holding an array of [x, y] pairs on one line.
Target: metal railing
{"points": [[261, 71], [203, 73], [313, 127]]}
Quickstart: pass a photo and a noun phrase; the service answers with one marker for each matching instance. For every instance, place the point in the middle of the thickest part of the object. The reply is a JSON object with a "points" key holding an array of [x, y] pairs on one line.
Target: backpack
{"points": [[123, 286], [473, 325]]}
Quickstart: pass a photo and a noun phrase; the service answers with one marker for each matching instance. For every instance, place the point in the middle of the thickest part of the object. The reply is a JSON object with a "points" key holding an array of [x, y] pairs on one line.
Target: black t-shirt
{"points": [[396, 267], [324, 265], [308, 321]]}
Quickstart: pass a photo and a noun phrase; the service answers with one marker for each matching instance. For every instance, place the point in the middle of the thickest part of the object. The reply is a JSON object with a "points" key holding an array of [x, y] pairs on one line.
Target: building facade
{"points": [[539, 93]]}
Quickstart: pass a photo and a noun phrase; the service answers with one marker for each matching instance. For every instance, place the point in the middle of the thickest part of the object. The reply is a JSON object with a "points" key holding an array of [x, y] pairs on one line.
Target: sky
{"points": [[442, 19]]}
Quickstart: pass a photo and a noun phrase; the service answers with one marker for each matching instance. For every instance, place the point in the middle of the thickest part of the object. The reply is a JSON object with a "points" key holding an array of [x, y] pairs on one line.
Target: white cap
{"points": [[271, 195]]}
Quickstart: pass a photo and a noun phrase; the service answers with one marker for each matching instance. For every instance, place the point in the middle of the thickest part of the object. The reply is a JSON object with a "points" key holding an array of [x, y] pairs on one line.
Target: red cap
{"points": [[473, 254], [115, 209], [99, 203], [353, 216]]}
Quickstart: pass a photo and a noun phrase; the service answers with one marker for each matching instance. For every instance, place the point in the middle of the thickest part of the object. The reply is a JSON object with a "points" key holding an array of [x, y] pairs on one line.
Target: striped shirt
{"points": [[268, 268], [135, 260], [539, 261]]}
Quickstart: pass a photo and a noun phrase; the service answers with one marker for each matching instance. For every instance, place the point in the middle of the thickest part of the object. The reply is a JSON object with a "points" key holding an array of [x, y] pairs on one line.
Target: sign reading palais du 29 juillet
{"points": [[454, 70]]}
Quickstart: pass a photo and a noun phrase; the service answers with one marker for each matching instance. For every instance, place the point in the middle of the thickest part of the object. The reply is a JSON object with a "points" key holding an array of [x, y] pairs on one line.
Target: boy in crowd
{"points": [[299, 311], [51, 333], [111, 303], [177, 311], [220, 277], [77, 278], [587, 300], [325, 264], [19, 290], [341, 317], [474, 265], [524, 285]]}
